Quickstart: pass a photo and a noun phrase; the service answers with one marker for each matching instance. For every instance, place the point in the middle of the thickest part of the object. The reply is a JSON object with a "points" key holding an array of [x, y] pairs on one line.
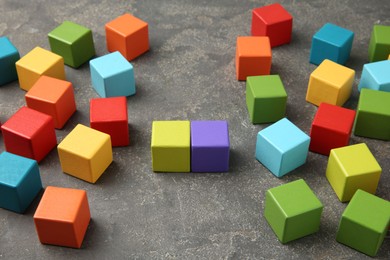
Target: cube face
{"points": [[128, 35], [36, 63], [53, 97], [330, 83], [364, 223], [282, 147], [29, 133], [292, 210], [20, 182], [331, 128], [109, 115], [373, 114], [376, 76], [253, 57], [112, 76], [331, 42], [209, 146], [171, 146], [73, 42], [266, 99], [351, 168], [379, 47], [85, 153], [273, 21], [62, 217], [9, 55]]}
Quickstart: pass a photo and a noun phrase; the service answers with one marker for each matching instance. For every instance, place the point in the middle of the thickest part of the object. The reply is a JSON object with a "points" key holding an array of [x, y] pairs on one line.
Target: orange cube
{"points": [[253, 56], [53, 97], [62, 217], [128, 35]]}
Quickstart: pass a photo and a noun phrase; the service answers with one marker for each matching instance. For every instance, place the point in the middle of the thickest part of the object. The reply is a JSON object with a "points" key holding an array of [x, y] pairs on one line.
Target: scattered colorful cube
{"points": [[376, 76], [282, 147], [330, 83], [85, 153], [8, 56], [379, 47], [292, 210], [73, 42], [266, 99], [112, 75], [62, 217], [20, 182]]}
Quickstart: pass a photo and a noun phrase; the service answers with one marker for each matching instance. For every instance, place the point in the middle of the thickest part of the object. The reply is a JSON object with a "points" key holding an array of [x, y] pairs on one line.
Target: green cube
{"points": [[364, 223], [379, 47], [266, 99], [292, 210], [73, 42], [373, 114]]}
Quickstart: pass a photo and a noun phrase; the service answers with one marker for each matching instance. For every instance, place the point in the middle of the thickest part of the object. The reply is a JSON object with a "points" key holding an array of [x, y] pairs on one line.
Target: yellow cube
{"points": [[85, 153], [330, 83], [36, 63], [171, 146], [351, 168]]}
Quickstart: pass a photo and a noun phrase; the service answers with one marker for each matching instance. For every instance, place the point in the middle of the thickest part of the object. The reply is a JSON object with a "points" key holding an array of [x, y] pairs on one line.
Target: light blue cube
{"points": [[20, 182], [8, 56], [376, 76], [112, 75], [331, 42], [282, 147]]}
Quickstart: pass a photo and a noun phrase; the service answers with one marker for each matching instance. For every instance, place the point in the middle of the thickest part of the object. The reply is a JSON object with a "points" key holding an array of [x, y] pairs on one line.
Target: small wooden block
{"points": [[351, 168], [36, 63], [53, 97], [85, 153], [62, 217], [376, 76], [330, 83], [8, 56], [379, 46], [29, 133], [20, 182], [253, 56]]}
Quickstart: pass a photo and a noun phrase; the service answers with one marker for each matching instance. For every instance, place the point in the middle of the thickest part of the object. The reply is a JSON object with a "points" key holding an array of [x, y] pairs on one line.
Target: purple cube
{"points": [[209, 146]]}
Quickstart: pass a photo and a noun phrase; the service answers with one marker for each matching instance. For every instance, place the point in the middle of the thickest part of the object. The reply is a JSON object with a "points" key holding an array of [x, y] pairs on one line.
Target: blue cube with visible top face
{"points": [[376, 76], [8, 56], [282, 147], [20, 182], [112, 75], [331, 42]]}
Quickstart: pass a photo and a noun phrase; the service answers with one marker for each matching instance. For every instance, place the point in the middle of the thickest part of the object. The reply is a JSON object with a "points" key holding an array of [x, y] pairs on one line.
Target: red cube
{"points": [[109, 115], [29, 133], [273, 21], [331, 128]]}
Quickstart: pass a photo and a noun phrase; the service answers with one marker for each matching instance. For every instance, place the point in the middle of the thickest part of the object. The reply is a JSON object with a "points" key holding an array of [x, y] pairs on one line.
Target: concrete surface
{"points": [[189, 73]]}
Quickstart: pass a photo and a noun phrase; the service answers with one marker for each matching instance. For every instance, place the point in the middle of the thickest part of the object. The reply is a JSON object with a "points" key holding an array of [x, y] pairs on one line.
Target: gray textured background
{"points": [[189, 73]]}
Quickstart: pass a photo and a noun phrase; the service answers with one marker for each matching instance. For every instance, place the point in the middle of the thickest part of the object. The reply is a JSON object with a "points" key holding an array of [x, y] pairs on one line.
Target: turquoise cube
{"points": [[8, 56], [282, 147], [20, 182], [112, 75], [331, 42], [376, 76]]}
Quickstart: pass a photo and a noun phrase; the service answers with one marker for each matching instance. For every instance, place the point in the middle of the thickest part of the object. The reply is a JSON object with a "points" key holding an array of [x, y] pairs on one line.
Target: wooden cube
{"points": [[292, 210], [36, 63], [85, 153], [8, 56], [266, 99], [20, 182], [29, 133], [330, 83], [273, 21], [379, 46], [376, 76], [53, 97], [109, 115], [129, 35], [331, 128], [253, 57], [364, 223], [62, 217], [351, 168], [73, 42], [170, 146]]}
